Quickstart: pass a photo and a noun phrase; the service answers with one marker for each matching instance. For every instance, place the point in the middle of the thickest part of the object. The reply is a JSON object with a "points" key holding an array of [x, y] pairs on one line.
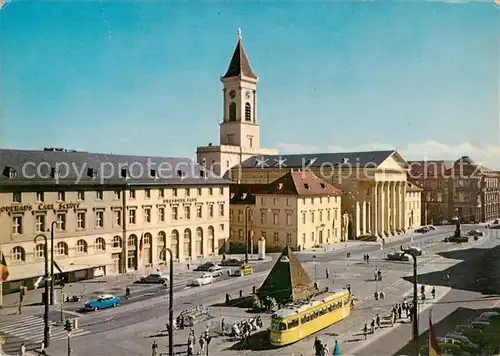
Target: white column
{"points": [[357, 220], [365, 216], [381, 210], [369, 221], [393, 207], [403, 206], [374, 210]]}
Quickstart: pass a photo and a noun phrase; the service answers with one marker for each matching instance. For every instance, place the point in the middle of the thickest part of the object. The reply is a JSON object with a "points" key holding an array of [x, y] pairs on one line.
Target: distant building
{"points": [[111, 213], [413, 206], [298, 210], [462, 189]]}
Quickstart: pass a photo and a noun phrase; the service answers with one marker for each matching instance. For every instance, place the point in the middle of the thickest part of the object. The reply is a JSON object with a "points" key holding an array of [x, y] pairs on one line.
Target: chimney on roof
{"points": [[244, 196]]}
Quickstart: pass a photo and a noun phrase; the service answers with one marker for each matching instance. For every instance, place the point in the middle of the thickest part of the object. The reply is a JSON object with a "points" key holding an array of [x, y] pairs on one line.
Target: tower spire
{"points": [[240, 37], [239, 65]]}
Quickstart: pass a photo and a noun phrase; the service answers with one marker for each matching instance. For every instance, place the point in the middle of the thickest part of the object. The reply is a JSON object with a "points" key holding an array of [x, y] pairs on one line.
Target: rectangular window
{"points": [[132, 216], [161, 193], [17, 225], [16, 197], [289, 238], [187, 192], [221, 228], [187, 212], [118, 194], [175, 213], [328, 215], [320, 216], [147, 193], [147, 215], [161, 214], [99, 219], [40, 196], [210, 191], [276, 237], [61, 196], [312, 217], [99, 195], [288, 218], [303, 218], [276, 219], [221, 209], [132, 194], [263, 217], [303, 237], [61, 222], [199, 192], [240, 216], [174, 192], [117, 217], [80, 220], [263, 201], [40, 223], [211, 211], [221, 191], [80, 195], [199, 212]]}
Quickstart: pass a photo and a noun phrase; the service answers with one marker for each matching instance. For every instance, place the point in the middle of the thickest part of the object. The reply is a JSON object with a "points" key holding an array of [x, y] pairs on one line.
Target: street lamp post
{"points": [[52, 226], [415, 297], [46, 330], [247, 210], [171, 304]]}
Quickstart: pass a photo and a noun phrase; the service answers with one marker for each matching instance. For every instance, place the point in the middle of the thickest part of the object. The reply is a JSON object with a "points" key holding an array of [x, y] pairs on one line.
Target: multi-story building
{"points": [[110, 213], [240, 128], [457, 189], [413, 206], [298, 209]]}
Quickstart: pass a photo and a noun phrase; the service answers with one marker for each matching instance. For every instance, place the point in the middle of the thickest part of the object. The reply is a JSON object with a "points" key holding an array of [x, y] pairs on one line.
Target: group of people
{"points": [[366, 258], [203, 341], [321, 349]]}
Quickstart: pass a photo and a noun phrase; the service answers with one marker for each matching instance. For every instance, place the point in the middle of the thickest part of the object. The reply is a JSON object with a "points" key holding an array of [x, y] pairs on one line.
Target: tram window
{"points": [[305, 319], [294, 323], [331, 307], [281, 326], [322, 311]]}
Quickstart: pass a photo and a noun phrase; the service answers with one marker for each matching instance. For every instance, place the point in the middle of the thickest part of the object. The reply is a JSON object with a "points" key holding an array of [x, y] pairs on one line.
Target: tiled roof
{"points": [[21, 167], [292, 183], [239, 65], [316, 160]]}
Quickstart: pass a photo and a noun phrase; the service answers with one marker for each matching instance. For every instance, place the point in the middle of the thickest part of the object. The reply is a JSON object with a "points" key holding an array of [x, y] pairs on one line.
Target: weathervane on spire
{"points": [[240, 37]]}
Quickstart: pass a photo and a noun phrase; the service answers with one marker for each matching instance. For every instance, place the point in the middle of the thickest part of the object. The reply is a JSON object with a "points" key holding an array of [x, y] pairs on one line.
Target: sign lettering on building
{"points": [[179, 200], [39, 207]]}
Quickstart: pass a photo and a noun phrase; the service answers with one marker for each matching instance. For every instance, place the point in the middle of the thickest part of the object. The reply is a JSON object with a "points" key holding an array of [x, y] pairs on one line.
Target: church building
{"points": [[239, 129]]}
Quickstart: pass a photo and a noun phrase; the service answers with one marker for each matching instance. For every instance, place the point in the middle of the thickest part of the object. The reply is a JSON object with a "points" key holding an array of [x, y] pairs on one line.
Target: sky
{"points": [[143, 77]]}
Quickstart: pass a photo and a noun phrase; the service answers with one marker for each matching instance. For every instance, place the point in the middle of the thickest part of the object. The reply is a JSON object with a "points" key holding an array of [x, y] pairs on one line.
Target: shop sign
{"points": [[38, 207], [180, 200]]}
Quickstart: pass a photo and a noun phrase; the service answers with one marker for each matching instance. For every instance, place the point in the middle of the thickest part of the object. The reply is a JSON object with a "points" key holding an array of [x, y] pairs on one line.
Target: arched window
{"points": [[248, 112], [18, 254], [174, 243], [232, 112], [81, 246], [132, 241], [240, 234], [117, 242], [187, 243], [210, 240], [100, 244], [199, 241], [147, 239], [61, 249], [40, 251], [162, 238]]}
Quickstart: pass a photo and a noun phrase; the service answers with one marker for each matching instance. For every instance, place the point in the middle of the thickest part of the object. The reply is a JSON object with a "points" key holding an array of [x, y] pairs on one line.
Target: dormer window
{"points": [[280, 186], [310, 161], [123, 173], [306, 186], [323, 186], [243, 196], [53, 172], [344, 160], [232, 195], [181, 173], [153, 173], [10, 172], [92, 173], [202, 174]]}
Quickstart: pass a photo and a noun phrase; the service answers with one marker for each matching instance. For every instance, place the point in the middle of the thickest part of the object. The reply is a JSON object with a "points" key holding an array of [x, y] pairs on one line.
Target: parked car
{"points": [[202, 280], [103, 302], [216, 271], [232, 262], [205, 267], [422, 230], [397, 256], [486, 316], [417, 251], [457, 240], [155, 278], [431, 227], [475, 232]]}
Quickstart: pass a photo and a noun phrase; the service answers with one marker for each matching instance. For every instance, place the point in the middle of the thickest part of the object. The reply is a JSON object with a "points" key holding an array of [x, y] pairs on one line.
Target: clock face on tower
{"points": [[248, 95], [232, 94]]}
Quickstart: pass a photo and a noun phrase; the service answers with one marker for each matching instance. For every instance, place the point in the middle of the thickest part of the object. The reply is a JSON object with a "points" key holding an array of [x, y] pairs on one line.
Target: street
{"points": [[130, 328]]}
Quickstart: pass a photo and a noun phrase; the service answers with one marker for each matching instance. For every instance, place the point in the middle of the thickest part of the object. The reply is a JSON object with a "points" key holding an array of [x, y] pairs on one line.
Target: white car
{"points": [[416, 250], [205, 278], [216, 271]]}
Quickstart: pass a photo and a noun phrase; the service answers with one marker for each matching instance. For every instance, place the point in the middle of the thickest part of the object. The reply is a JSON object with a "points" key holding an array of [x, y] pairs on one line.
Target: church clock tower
{"points": [[239, 129]]}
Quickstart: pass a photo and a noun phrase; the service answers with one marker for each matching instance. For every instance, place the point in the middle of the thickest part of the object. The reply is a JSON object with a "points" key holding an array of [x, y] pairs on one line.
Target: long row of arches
{"points": [[193, 242]]}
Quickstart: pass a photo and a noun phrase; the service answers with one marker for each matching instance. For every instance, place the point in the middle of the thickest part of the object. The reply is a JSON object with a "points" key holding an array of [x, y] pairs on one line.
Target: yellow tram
{"points": [[292, 324]]}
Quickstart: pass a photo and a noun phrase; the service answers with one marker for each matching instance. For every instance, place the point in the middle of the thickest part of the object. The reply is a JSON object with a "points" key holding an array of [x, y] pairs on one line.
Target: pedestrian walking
{"points": [[364, 258], [202, 344], [367, 258], [433, 292], [223, 326], [336, 349], [154, 348], [326, 350], [327, 272], [317, 347], [372, 326], [23, 349], [377, 321], [400, 312], [365, 330], [393, 318]]}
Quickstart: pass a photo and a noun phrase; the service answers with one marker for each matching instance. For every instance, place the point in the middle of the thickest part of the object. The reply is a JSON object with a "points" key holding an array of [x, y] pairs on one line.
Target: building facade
{"points": [[374, 184], [462, 189], [413, 206], [240, 128], [298, 210], [106, 222]]}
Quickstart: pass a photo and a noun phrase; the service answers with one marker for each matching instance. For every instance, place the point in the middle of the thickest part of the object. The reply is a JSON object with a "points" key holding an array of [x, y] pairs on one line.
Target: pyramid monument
{"points": [[287, 281]]}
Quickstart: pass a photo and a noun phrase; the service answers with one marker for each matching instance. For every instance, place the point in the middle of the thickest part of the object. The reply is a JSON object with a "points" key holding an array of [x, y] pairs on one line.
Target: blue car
{"points": [[103, 302]]}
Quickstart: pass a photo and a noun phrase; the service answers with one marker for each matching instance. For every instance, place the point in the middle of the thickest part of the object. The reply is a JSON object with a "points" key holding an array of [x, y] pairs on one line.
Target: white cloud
{"points": [[488, 155]]}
